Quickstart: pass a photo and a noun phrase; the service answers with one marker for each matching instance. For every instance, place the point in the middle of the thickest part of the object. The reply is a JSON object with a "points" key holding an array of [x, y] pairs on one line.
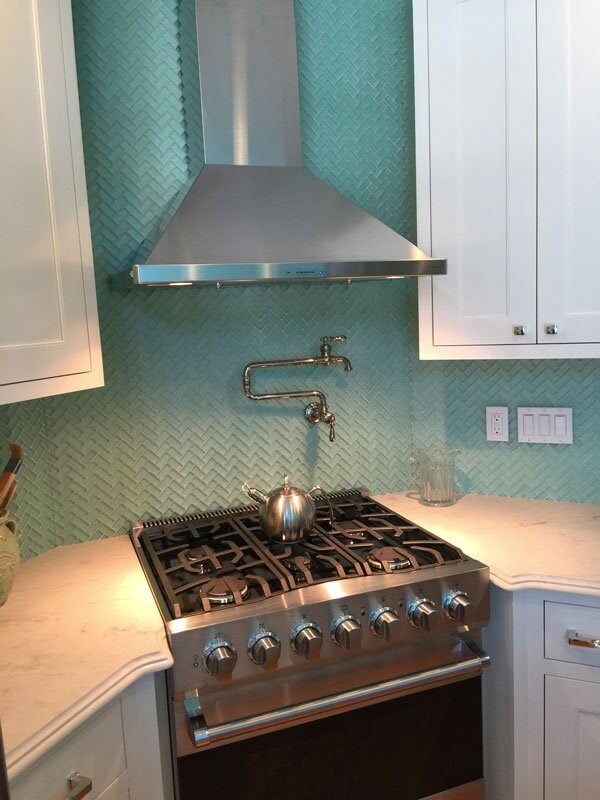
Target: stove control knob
{"points": [[386, 624], [307, 640], [422, 614], [457, 605], [220, 659], [347, 632], [264, 649]]}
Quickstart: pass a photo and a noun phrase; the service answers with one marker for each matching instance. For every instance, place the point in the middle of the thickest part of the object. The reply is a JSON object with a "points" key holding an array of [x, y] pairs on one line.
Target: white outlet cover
{"points": [[545, 425], [496, 423]]}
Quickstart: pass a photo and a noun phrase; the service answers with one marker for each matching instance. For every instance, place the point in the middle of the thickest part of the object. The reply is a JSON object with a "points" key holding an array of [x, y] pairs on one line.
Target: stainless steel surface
{"points": [[519, 330], [220, 658], [551, 329], [249, 82], [457, 606], [307, 635], [253, 214], [78, 786], [386, 624], [203, 735], [579, 640], [319, 604], [326, 625], [264, 649], [287, 513], [307, 640], [316, 411], [423, 614]]}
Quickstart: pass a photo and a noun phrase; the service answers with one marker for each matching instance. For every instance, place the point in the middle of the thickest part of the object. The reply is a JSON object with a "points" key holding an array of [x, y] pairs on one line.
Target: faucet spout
{"points": [[345, 362]]}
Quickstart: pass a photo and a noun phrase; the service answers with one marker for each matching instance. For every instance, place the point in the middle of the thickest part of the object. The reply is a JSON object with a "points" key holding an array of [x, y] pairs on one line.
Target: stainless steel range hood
{"points": [[254, 214]]}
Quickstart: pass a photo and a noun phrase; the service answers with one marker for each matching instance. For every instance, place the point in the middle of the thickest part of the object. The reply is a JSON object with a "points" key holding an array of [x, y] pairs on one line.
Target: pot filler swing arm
{"points": [[317, 410]]}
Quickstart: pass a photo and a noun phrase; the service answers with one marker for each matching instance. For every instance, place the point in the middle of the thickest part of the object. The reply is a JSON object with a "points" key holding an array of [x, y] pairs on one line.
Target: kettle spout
{"points": [[253, 493]]}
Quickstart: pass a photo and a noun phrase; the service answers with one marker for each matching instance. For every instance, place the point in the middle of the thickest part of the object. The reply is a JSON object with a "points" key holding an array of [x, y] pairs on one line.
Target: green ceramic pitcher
{"points": [[10, 554]]}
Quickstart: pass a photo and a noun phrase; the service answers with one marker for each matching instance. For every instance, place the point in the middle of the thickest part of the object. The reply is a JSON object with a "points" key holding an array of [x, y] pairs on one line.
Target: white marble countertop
{"points": [[527, 544], [79, 627]]}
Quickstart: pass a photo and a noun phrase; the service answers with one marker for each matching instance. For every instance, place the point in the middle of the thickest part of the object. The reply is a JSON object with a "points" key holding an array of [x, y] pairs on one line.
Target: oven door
{"points": [[407, 738]]}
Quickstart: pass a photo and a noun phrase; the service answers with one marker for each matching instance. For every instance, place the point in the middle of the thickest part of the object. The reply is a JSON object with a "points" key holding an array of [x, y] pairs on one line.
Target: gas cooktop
{"points": [[205, 562]]}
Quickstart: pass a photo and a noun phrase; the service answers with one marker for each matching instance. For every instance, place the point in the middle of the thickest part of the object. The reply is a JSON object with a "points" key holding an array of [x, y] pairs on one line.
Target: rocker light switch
{"points": [[545, 425]]}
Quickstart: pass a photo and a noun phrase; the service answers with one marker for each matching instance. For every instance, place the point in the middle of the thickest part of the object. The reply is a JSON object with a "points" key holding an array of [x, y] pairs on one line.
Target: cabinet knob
{"points": [[78, 786], [519, 330], [551, 329]]}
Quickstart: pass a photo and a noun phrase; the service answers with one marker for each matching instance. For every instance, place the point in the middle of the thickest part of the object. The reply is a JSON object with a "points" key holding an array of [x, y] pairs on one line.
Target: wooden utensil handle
{"points": [[8, 497], [6, 481]]}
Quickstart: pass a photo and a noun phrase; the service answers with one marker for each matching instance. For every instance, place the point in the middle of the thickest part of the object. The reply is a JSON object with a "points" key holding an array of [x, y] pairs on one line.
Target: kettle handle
{"points": [[254, 494], [325, 497]]}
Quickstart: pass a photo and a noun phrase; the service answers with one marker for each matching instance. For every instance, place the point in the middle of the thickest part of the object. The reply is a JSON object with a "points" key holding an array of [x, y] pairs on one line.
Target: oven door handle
{"points": [[202, 735]]}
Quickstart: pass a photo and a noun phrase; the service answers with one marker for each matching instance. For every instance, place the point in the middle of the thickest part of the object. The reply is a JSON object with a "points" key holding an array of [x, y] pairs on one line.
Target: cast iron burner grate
{"points": [[204, 562]]}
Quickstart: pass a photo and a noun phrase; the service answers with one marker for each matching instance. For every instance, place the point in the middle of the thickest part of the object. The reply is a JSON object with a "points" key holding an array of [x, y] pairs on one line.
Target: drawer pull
{"points": [[582, 641], [78, 786]]}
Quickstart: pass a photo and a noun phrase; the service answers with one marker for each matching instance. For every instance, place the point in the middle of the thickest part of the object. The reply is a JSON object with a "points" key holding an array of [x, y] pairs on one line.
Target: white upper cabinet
{"points": [[569, 170], [49, 339], [482, 163], [507, 189]]}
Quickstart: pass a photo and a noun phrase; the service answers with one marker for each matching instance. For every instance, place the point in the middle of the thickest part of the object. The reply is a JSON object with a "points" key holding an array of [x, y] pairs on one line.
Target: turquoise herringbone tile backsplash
{"points": [[171, 431]]}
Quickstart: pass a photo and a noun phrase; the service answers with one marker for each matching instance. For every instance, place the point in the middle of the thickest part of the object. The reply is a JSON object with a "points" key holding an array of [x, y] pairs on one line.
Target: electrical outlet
{"points": [[496, 423]]}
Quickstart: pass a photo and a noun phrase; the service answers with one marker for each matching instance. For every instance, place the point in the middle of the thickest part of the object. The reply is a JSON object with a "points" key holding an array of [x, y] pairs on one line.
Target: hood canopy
{"points": [[254, 214]]}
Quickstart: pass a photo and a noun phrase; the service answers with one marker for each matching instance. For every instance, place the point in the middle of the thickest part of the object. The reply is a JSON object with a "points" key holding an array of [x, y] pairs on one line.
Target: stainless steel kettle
{"points": [[287, 514]]}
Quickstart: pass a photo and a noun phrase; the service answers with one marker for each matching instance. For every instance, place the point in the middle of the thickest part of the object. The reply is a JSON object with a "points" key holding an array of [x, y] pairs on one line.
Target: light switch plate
{"points": [[545, 425], [496, 423]]}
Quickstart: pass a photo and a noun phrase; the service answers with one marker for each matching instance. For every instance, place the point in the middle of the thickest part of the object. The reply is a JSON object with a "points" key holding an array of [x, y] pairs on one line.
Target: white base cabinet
{"points": [[572, 742], [49, 336], [508, 169], [542, 697], [123, 751]]}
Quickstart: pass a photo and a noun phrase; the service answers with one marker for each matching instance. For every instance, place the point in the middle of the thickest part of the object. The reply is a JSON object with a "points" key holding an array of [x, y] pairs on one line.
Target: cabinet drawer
{"points": [[96, 750], [560, 619]]}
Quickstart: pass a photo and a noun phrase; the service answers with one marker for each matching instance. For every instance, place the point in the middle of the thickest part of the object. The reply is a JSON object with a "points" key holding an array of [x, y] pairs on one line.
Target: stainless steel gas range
{"points": [[344, 665]]}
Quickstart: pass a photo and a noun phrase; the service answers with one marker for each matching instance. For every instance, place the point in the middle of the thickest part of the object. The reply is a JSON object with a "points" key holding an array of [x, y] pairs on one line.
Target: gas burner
{"points": [[354, 534], [298, 564], [388, 559], [201, 560], [206, 562], [223, 589]]}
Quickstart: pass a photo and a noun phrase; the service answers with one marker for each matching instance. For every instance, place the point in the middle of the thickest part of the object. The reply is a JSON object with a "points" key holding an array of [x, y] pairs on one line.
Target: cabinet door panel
{"points": [[483, 182], [96, 751], [569, 169], [572, 751], [44, 311]]}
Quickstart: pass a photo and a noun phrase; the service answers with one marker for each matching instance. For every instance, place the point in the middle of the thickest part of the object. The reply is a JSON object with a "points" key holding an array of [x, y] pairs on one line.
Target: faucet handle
{"points": [[329, 340], [332, 430]]}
